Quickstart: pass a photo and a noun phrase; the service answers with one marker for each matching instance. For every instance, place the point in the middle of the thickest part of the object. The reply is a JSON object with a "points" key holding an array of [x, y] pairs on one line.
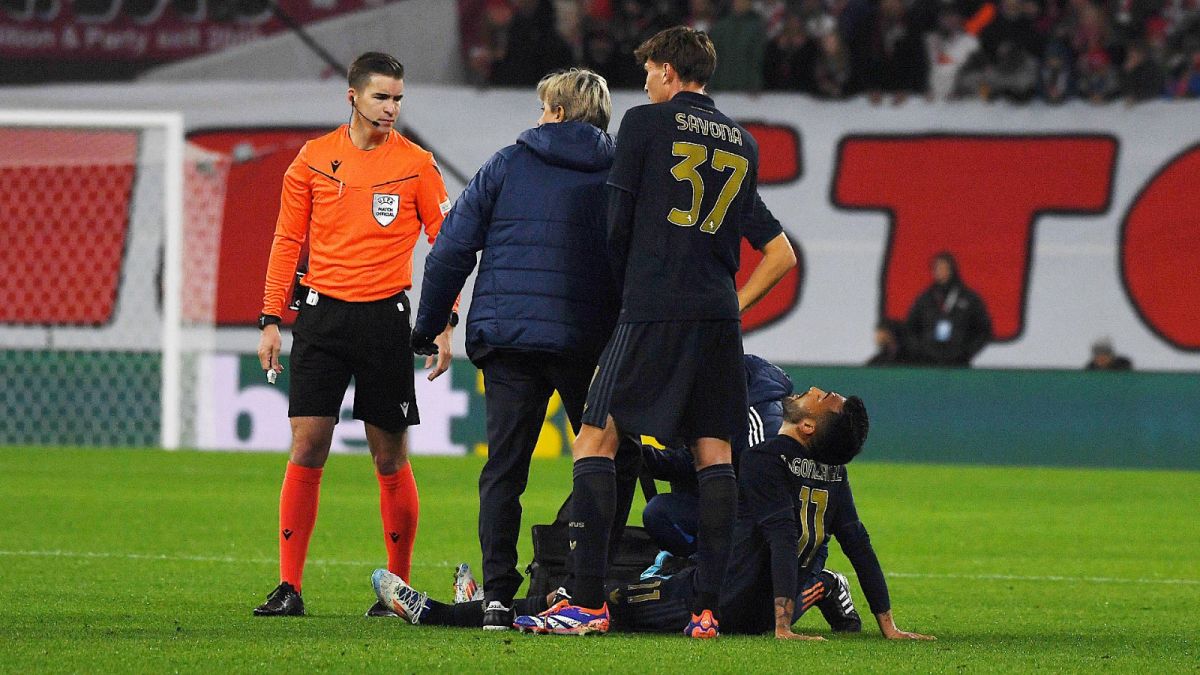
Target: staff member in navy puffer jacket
{"points": [[544, 302]]}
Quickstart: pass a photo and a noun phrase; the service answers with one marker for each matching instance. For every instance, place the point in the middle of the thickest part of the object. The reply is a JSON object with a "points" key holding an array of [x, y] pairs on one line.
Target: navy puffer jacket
{"points": [[536, 210]]}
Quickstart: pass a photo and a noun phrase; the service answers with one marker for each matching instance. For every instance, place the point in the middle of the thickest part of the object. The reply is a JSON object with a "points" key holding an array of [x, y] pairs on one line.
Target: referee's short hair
{"points": [[840, 436], [373, 63], [582, 94], [689, 51]]}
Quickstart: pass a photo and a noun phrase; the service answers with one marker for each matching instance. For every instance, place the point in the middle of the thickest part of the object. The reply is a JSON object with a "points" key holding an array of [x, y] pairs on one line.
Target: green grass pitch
{"points": [[126, 560]]}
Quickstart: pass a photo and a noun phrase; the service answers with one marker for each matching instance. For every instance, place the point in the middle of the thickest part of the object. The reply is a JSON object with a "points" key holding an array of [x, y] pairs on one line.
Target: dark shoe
{"points": [[838, 606], [380, 610], [283, 601], [497, 617]]}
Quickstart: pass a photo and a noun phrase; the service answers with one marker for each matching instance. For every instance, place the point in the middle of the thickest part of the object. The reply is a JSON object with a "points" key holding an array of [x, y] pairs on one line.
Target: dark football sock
{"points": [[464, 614], [470, 614], [592, 505], [628, 465], [718, 505]]}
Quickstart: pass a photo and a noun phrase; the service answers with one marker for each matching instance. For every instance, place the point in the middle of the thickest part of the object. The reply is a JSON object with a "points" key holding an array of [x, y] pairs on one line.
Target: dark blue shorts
{"points": [[674, 380]]}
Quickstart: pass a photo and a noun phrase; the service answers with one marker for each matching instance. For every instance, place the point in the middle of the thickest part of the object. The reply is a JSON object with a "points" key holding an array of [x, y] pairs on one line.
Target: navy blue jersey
{"points": [[762, 226], [692, 175], [788, 507]]}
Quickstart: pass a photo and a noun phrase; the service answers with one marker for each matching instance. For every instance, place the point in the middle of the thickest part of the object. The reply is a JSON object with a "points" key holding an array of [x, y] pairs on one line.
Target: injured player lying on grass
{"points": [[794, 494], [656, 603]]}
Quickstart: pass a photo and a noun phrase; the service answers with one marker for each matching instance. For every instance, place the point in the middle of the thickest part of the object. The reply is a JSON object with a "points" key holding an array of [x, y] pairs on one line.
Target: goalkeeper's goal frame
{"points": [[171, 125]]}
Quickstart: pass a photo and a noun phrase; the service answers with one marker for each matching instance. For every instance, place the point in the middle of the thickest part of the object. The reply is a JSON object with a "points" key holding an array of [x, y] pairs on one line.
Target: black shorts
{"points": [[674, 380], [334, 340]]}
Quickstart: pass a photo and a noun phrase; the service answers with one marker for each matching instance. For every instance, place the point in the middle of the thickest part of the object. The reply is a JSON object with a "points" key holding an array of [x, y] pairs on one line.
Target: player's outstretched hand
{"points": [[905, 635], [887, 626], [787, 634]]}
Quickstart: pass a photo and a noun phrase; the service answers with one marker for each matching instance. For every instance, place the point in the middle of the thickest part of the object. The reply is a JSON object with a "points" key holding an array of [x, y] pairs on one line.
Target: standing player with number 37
{"points": [[682, 192]]}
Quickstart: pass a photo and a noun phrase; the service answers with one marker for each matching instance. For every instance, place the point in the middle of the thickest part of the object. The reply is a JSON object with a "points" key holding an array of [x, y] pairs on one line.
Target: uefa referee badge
{"points": [[384, 207]]}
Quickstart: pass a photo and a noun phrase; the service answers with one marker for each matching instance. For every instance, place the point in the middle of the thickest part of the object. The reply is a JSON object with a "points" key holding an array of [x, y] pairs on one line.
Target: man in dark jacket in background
{"points": [[948, 324], [544, 302]]}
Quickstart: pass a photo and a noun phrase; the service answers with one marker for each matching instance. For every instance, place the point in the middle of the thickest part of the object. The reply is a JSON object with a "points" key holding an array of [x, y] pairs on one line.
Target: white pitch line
{"points": [[201, 558], [444, 564], [1015, 577]]}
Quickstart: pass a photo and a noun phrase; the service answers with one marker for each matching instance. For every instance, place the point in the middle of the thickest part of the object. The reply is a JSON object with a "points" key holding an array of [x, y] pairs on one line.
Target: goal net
{"points": [[110, 231]]}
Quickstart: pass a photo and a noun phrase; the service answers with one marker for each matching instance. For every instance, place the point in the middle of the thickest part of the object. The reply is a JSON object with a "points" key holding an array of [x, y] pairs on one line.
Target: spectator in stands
{"points": [[774, 14], [923, 14], [740, 37], [888, 56], [1130, 18], [1090, 31], [601, 55], [636, 20], [1178, 14], [611, 45], [571, 28], [1104, 358], [791, 57], [818, 20], [1185, 81], [1092, 40], [1012, 25], [890, 341], [1010, 46], [1056, 79], [832, 71], [1097, 80], [947, 48], [1157, 42], [949, 323], [1009, 73], [532, 45], [701, 15], [483, 36]]}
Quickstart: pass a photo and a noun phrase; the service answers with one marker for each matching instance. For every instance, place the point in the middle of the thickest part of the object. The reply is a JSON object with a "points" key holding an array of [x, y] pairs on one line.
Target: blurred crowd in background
{"points": [[887, 50]]}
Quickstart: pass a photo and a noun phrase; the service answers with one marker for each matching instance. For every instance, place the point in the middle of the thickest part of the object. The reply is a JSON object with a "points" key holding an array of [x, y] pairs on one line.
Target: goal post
{"points": [[92, 211]]}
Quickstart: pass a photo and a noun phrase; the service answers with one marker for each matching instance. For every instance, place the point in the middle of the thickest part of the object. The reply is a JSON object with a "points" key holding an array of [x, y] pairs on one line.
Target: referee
{"points": [[360, 195]]}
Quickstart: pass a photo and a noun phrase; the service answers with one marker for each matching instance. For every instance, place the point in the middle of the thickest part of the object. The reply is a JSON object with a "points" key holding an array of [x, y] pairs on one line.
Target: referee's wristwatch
{"points": [[265, 320], [453, 320]]}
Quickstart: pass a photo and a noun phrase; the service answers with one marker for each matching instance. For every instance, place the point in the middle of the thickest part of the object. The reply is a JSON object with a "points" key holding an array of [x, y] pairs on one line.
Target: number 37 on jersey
{"points": [[693, 156]]}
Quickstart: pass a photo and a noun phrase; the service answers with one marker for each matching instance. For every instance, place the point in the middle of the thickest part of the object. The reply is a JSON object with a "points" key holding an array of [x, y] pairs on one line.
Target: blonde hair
{"points": [[582, 94]]}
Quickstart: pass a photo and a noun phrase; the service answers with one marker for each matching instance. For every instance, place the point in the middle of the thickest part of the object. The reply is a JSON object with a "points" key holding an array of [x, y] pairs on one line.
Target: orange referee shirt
{"points": [[362, 212]]}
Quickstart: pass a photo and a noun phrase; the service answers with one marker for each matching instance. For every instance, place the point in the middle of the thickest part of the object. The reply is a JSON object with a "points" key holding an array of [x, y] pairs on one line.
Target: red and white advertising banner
{"points": [[149, 30], [1073, 223]]}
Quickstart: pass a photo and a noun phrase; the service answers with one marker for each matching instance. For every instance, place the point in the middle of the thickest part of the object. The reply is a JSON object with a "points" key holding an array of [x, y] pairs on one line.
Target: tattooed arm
{"points": [[784, 609]]}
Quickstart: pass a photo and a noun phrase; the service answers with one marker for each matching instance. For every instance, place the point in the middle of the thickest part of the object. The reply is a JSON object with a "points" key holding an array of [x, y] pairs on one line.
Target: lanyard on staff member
{"points": [[943, 329]]}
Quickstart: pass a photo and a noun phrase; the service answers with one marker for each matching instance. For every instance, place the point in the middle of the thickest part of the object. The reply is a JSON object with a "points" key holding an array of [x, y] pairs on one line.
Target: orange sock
{"points": [[297, 515], [399, 507]]}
